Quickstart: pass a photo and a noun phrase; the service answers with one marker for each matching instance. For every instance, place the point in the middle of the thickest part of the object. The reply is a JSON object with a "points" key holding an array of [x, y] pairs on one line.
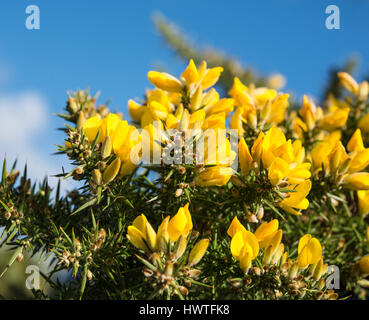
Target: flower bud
{"points": [[72, 105], [185, 120], [183, 290], [81, 120], [106, 147], [198, 252], [89, 275], [364, 265], [293, 270], [252, 119], [348, 82], [363, 91], [260, 213], [265, 112], [318, 271], [168, 269], [20, 257], [363, 283], [180, 246], [196, 99], [178, 192], [96, 176]]}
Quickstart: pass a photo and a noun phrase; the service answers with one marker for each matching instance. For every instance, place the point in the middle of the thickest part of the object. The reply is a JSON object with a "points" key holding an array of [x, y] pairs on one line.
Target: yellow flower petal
{"points": [[164, 81]]}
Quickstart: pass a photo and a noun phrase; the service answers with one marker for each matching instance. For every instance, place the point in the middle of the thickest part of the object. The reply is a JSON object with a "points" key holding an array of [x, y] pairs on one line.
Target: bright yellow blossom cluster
{"points": [[256, 107], [262, 160], [285, 163], [115, 135], [245, 245], [187, 106], [169, 262]]}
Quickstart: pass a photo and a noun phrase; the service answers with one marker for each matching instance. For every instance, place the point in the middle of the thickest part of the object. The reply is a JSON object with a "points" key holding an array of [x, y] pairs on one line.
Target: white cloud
{"points": [[22, 116], [23, 126]]}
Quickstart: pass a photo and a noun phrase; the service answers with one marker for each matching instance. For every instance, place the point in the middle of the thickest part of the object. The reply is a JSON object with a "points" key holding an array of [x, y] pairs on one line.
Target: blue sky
{"points": [[110, 46]]}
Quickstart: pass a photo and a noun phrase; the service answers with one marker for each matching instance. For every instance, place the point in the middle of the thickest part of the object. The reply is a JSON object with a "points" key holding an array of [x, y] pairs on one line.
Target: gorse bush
{"points": [[203, 197]]}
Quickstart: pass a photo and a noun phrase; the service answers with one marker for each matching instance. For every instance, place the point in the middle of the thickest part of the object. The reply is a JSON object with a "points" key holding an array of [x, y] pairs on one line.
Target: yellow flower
{"points": [[357, 181], [309, 113], [356, 142], [202, 76], [244, 248], [111, 171], [273, 247], [116, 135], [363, 197], [198, 252], [265, 232], [299, 173], [164, 81], [359, 160], [137, 238], [108, 126], [320, 153], [359, 155], [224, 105], [245, 158], [299, 127], [141, 234], [309, 251], [234, 227], [257, 147], [297, 200], [364, 265], [337, 157], [278, 170], [92, 127], [190, 74], [149, 235], [211, 77], [256, 103], [270, 237], [180, 224], [335, 119], [214, 176], [278, 108], [237, 121], [135, 110], [273, 139], [240, 93], [208, 99], [262, 95]]}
